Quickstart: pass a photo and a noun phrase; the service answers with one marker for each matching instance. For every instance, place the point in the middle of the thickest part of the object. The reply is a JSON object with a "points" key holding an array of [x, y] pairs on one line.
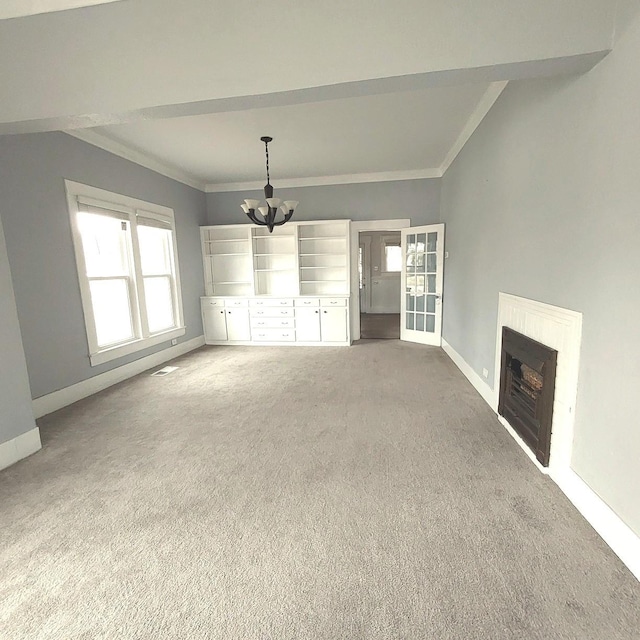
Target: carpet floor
{"points": [[298, 493]]}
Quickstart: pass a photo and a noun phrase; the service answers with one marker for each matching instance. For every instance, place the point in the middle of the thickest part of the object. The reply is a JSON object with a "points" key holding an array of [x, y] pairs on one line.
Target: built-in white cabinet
{"points": [[225, 320], [238, 327], [333, 322], [308, 320], [286, 287], [300, 320], [214, 320]]}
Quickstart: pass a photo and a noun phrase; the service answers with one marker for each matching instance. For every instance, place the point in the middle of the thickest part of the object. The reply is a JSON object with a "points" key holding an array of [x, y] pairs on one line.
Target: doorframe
{"points": [[356, 227], [366, 269]]}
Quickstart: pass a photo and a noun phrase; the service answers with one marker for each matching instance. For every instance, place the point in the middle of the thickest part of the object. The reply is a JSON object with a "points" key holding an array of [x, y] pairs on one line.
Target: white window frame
{"points": [[132, 208], [385, 241]]}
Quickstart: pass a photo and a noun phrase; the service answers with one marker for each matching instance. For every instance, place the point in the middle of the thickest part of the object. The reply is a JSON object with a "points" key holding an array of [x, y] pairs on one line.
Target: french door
{"points": [[422, 271]]}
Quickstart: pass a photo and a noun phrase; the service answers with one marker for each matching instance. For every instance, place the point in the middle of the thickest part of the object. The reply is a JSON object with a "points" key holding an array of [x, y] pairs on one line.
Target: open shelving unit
{"points": [[227, 261], [275, 261], [297, 259], [323, 258]]}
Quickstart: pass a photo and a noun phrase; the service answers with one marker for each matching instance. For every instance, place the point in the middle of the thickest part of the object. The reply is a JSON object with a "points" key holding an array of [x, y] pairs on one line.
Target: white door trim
{"points": [[356, 227], [366, 274]]}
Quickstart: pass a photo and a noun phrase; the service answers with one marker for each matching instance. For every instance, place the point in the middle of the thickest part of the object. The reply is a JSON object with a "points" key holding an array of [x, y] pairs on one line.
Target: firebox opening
{"points": [[527, 385]]}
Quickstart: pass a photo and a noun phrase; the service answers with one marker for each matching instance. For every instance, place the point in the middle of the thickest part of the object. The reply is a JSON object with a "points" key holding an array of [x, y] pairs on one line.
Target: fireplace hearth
{"points": [[527, 386]]}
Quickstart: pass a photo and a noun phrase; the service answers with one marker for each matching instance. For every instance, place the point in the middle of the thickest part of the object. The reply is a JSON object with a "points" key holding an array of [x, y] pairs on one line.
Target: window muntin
{"points": [[128, 272]]}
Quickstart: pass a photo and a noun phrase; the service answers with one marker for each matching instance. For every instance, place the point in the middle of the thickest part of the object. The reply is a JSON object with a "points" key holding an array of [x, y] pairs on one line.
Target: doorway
{"points": [[379, 269]]}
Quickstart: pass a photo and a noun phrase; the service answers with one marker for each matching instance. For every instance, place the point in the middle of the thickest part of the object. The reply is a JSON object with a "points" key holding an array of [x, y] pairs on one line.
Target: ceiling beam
{"points": [[122, 61]]}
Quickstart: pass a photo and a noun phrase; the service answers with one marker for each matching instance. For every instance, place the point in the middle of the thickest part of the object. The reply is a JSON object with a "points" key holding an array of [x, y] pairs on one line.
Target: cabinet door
{"points": [[307, 324], [238, 327], [333, 324], [215, 324]]}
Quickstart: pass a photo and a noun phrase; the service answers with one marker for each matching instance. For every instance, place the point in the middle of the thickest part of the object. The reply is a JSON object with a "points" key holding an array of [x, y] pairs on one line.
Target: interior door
{"points": [[421, 281]]}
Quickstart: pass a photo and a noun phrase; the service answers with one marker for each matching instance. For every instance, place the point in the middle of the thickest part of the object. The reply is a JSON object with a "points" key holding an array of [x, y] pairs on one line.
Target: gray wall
{"points": [[415, 199], [543, 203], [39, 244], [16, 414]]}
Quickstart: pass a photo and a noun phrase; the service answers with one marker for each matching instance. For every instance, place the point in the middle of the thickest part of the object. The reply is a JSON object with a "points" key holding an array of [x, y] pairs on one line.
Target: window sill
{"points": [[136, 345]]}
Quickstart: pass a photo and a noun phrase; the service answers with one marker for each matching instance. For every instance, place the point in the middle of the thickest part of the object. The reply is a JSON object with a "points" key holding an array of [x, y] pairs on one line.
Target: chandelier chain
{"points": [[266, 148]]}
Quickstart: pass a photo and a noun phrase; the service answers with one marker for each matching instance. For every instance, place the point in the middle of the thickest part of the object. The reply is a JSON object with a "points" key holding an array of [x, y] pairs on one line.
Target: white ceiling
{"points": [[22, 8], [410, 131], [350, 91]]}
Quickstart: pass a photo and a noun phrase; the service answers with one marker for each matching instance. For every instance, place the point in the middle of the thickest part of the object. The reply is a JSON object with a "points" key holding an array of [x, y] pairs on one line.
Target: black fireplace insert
{"points": [[527, 387]]}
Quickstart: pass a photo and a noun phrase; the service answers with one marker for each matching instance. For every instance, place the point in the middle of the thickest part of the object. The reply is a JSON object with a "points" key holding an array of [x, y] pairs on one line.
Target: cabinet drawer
{"points": [[333, 302], [272, 323], [235, 302], [273, 335], [212, 302], [272, 312], [271, 302], [307, 302]]}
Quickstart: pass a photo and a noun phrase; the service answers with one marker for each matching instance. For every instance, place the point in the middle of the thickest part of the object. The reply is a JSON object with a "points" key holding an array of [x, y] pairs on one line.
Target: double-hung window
{"points": [[128, 271], [391, 254]]}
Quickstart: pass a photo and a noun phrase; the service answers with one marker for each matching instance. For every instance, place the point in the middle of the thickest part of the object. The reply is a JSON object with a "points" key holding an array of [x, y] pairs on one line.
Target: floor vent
{"points": [[164, 372]]}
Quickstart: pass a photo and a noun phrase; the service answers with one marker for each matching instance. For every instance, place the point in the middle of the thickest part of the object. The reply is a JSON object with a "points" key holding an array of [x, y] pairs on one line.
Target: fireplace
{"points": [[527, 386]]}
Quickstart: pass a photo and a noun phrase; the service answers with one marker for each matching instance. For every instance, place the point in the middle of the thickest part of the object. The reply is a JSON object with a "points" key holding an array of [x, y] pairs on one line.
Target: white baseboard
{"points": [[478, 383], [620, 538], [21, 447], [58, 399]]}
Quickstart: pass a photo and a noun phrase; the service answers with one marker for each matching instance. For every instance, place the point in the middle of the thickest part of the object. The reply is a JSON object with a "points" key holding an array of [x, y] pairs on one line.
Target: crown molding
{"points": [[482, 108], [128, 153], [348, 178]]}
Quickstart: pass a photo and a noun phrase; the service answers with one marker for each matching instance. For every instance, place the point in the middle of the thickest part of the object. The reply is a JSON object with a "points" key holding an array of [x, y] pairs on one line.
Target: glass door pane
{"points": [[422, 283]]}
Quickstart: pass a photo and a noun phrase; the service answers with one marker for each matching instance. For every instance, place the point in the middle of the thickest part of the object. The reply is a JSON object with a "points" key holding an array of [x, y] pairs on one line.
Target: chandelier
{"points": [[269, 211]]}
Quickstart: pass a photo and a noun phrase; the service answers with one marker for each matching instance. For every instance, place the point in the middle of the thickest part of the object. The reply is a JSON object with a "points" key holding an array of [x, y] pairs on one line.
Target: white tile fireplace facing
{"points": [[560, 329]]}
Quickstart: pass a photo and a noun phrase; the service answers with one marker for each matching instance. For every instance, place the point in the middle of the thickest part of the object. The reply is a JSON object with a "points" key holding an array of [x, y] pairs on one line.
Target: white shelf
{"points": [[215, 255], [230, 282], [322, 238], [245, 260]]}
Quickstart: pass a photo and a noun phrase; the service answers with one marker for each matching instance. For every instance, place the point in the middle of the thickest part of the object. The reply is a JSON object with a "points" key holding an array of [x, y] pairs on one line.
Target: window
{"points": [[127, 268], [392, 255]]}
